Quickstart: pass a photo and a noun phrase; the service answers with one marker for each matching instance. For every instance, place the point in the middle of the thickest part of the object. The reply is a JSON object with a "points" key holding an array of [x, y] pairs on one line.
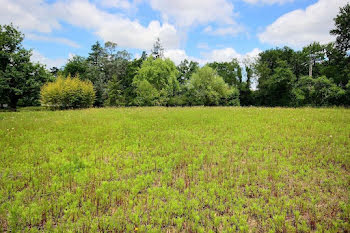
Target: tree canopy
{"points": [[316, 75], [20, 79]]}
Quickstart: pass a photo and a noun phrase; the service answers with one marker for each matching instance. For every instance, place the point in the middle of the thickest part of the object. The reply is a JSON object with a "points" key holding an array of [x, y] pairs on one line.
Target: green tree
{"points": [[317, 92], [326, 92], [107, 69], [146, 94], [315, 53], [115, 92], [276, 89], [336, 66], [342, 29], [19, 77], [97, 54], [231, 72], [186, 69], [76, 65], [160, 74], [116, 67], [206, 87], [302, 91], [347, 94], [131, 72]]}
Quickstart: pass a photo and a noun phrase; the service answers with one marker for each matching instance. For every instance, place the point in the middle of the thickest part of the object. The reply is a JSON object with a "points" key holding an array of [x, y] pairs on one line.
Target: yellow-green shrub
{"points": [[68, 93]]}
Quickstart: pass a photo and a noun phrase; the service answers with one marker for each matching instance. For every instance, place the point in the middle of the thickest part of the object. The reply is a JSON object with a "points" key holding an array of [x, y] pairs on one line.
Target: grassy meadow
{"points": [[175, 170]]}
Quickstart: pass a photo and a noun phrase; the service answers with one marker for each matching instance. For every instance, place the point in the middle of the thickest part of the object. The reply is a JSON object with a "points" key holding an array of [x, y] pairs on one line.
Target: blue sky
{"points": [[200, 30]]}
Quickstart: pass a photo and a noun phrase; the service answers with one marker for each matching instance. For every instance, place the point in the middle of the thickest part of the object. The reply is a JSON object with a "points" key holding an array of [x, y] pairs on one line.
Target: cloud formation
{"points": [[224, 31], [44, 18], [30, 15], [59, 40], [302, 27], [57, 62], [270, 2], [190, 12], [117, 28], [219, 55]]}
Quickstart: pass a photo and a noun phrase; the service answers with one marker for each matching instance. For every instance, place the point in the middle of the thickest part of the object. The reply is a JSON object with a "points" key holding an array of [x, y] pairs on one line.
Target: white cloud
{"points": [[268, 1], [39, 16], [190, 12], [178, 55], [253, 54], [59, 40], [224, 31], [123, 4], [302, 27], [33, 15], [227, 54], [219, 55], [38, 57], [116, 28], [222, 55]]}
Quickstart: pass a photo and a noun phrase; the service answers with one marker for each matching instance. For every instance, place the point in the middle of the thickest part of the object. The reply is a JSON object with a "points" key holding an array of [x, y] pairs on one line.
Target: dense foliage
{"points": [[175, 170], [342, 29], [206, 87], [316, 75], [282, 76], [20, 79], [67, 93], [156, 82]]}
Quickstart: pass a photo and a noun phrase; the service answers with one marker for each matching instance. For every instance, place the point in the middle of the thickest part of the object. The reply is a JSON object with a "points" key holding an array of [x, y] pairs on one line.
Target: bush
{"points": [[326, 92], [67, 93]]}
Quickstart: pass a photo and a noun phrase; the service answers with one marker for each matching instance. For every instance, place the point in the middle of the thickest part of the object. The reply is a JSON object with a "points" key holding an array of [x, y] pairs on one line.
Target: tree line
{"points": [[317, 75]]}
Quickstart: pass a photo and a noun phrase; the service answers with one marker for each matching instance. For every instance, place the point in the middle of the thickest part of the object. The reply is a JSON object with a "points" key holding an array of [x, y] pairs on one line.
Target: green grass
{"points": [[175, 170]]}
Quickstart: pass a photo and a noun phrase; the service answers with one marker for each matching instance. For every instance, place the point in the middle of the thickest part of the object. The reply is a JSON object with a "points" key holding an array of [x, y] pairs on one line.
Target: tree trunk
{"points": [[13, 102]]}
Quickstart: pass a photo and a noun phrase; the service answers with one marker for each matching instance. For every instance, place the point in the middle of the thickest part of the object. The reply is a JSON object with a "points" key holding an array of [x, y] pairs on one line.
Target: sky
{"points": [[199, 30]]}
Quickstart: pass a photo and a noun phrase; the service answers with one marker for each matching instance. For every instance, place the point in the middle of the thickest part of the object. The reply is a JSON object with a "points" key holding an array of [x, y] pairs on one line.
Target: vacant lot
{"points": [[175, 169]]}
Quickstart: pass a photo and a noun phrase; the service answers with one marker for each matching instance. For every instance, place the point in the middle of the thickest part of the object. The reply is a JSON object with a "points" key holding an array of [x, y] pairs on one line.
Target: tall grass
{"points": [[175, 170]]}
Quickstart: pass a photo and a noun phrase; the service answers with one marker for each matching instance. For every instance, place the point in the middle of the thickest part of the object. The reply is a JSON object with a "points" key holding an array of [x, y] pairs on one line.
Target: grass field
{"points": [[175, 170]]}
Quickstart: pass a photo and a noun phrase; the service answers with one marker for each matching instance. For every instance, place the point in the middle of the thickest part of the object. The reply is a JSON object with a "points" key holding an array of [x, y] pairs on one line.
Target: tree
{"points": [[131, 72], [314, 53], [347, 94], [160, 74], [276, 89], [268, 61], [336, 66], [206, 87], [110, 48], [158, 50], [186, 69], [302, 91], [231, 72], [76, 65], [115, 92], [19, 77], [342, 30], [326, 93], [108, 69], [97, 54], [146, 94]]}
